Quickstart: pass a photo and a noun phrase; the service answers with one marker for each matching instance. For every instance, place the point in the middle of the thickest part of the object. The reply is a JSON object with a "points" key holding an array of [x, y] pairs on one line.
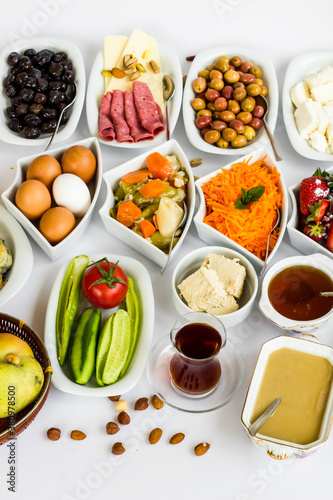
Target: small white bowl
{"points": [[315, 260], [300, 68], [204, 59], [192, 262], [214, 237], [57, 45], [298, 239], [112, 178], [8, 197], [17, 242], [61, 376]]}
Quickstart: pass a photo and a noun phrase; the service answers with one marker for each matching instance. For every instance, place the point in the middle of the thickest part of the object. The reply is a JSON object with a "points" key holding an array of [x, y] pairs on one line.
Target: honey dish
{"points": [[55, 233], [213, 232], [300, 372], [291, 293], [197, 277]]}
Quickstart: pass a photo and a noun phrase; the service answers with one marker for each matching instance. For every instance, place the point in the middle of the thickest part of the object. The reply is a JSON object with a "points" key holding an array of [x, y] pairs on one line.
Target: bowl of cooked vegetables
{"points": [[239, 205], [144, 201]]}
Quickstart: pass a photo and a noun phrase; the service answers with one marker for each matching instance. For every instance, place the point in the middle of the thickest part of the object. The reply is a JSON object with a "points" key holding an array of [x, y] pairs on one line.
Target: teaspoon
{"points": [[261, 101]]}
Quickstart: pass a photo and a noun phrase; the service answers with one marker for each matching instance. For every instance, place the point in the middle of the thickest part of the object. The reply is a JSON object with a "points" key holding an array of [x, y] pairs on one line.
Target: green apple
{"points": [[21, 375]]}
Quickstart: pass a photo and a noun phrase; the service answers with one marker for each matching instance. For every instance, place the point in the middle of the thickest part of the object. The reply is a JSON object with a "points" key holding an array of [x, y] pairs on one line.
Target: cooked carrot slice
{"points": [[136, 176], [128, 213], [147, 228], [153, 188], [159, 166]]}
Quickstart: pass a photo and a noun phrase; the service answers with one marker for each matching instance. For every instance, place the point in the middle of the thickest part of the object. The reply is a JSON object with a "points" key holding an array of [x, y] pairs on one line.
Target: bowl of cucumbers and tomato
{"points": [[98, 328]]}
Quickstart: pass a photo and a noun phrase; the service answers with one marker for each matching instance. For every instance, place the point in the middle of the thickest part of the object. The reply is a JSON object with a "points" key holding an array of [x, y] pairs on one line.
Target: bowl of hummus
{"points": [[216, 280]]}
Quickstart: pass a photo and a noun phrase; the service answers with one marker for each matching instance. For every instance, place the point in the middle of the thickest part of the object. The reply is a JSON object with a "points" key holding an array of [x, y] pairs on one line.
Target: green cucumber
{"points": [[67, 304], [83, 347], [132, 307], [113, 347]]}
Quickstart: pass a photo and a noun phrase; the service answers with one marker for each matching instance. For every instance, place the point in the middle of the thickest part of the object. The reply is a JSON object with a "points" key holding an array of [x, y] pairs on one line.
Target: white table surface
{"points": [[233, 468]]}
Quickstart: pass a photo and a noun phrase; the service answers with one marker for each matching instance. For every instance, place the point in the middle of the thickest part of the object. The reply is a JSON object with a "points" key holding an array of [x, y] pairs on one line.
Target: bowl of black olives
{"points": [[38, 80]]}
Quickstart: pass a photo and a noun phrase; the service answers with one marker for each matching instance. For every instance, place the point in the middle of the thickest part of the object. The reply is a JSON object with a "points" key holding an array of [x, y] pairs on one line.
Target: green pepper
{"points": [[161, 242], [119, 193], [128, 188], [68, 302], [149, 211], [82, 351]]}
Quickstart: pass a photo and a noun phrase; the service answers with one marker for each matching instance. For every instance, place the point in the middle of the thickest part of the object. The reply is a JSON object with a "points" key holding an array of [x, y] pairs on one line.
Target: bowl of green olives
{"points": [[220, 110]]}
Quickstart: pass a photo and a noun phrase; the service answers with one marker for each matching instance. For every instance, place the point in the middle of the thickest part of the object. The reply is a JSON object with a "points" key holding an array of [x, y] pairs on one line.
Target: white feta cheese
{"points": [[299, 93], [314, 80], [328, 108], [318, 141], [323, 118], [329, 132], [322, 93], [326, 74], [307, 118]]}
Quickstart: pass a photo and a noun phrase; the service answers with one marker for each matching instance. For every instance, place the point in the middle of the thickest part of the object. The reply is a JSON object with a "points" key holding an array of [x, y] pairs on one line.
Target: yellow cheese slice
{"points": [[138, 44], [113, 47]]}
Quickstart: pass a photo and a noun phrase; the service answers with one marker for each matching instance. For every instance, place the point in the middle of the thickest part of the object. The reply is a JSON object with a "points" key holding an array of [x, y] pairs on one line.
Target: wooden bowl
{"points": [[8, 430]]}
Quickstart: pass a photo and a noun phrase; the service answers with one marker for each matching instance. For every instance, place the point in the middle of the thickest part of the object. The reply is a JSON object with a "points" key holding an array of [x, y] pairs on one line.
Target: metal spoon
{"points": [[62, 114], [168, 93], [182, 224], [261, 101], [254, 428], [269, 235]]}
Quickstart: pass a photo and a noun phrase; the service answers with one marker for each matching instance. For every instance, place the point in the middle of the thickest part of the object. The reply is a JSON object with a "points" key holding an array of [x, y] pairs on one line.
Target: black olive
{"points": [[25, 63], [27, 94], [16, 70], [35, 73], [67, 65], [16, 101], [55, 96], [15, 125], [11, 90], [59, 57], [36, 108], [11, 112], [42, 84], [13, 58], [49, 126], [40, 98], [30, 53], [9, 79], [32, 120], [22, 109], [48, 114], [32, 132], [55, 69], [68, 76], [21, 78]]}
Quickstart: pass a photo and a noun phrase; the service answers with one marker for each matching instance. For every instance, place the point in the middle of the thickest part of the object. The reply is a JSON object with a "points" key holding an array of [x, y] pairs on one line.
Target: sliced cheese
{"points": [[113, 47], [299, 93], [306, 118], [137, 45]]}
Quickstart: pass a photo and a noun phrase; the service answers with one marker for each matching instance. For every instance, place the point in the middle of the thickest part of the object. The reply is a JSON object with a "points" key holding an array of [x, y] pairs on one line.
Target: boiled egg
{"points": [[33, 198], [79, 160], [56, 223], [44, 168], [71, 192]]}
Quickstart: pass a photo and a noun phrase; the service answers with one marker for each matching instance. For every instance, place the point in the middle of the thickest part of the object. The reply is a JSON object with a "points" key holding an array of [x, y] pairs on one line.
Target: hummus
{"points": [[215, 286]]}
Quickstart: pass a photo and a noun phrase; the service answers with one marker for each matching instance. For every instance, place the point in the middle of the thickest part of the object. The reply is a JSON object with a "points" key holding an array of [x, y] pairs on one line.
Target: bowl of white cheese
{"points": [[216, 280]]}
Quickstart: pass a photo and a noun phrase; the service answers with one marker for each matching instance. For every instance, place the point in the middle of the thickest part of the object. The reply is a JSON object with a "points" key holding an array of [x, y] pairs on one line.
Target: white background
{"points": [[233, 469]]}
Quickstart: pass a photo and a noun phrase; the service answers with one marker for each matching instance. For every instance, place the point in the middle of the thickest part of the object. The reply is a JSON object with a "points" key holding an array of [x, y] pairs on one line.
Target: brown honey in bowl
{"points": [[294, 293]]}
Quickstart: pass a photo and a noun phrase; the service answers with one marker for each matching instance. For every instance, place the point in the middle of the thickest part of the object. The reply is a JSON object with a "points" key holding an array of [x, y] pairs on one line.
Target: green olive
{"points": [[222, 143], [233, 106], [216, 84], [210, 67], [204, 74], [229, 134], [236, 61], [245, 117], [253, 89], [215, 73], [198, 104], [204, 112], [247, 105], [239, 142], [211, 107], [216, 115], [199, 85], [231, 76], [258, 81], [256, 72], [264, 91], [238, 85], [212, 136], [221, 65], [239, 93], [227, 116], [249, 132]]}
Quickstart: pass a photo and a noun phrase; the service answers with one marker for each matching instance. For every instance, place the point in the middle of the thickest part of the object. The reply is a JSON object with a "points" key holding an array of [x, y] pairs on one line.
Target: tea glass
{"points": [[197, 339]]}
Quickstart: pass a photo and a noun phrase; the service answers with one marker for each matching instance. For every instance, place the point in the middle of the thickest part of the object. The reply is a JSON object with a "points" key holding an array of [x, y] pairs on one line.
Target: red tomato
{"points": [[104, 284]]}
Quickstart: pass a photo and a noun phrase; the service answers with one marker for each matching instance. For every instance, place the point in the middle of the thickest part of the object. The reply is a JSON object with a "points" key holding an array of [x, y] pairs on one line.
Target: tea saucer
{"points": [[231, 380]]}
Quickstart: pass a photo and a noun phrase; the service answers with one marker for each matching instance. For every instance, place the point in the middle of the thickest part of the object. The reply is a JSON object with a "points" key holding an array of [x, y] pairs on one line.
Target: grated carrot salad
{"points": [[250, 227]]}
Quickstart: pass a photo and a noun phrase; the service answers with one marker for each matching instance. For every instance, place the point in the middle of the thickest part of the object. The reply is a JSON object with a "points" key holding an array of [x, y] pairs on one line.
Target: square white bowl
{"points": [[57, 45], [112, 178], [169, 66], [18, 244], [214, 237], [299, 240], [204, 59], [8, 197], [193, 261], [300, 68], [61, 377]]}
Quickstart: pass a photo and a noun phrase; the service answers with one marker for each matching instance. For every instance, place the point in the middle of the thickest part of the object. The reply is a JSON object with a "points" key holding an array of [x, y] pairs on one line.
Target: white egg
{"points": [[71, 192]]}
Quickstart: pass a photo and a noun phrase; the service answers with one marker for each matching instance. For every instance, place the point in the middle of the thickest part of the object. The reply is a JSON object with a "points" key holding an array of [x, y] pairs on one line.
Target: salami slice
{"points": [[137, 131], [118, 117], [149, 112], [105, 126]]}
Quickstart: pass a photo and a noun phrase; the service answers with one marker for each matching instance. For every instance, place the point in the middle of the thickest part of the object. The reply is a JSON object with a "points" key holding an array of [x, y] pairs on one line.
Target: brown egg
{"points": [[80, 161], [44, 168], [33, 198], [56, 224]]}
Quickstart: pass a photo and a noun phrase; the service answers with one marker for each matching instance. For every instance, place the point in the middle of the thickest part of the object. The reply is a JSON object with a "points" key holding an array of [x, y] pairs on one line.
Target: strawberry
{"points": [[312, 190], [314, 231], [329, 240], [318, 210]]}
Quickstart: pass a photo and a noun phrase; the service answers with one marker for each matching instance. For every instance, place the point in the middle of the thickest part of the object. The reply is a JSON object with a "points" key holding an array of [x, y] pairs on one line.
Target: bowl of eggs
{"points": [[53, 195]]}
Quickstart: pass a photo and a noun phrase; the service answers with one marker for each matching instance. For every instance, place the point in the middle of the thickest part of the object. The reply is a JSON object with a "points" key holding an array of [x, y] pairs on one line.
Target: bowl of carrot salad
{"points": [[239, 203]]}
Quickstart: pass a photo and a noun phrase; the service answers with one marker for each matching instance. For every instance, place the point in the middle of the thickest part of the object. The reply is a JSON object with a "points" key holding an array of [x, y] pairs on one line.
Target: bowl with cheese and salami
{"points": [[125, 104]]}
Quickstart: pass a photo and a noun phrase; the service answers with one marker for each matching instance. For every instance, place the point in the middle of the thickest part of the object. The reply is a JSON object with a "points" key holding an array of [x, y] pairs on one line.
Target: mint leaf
{"points": [[250, 196]]}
